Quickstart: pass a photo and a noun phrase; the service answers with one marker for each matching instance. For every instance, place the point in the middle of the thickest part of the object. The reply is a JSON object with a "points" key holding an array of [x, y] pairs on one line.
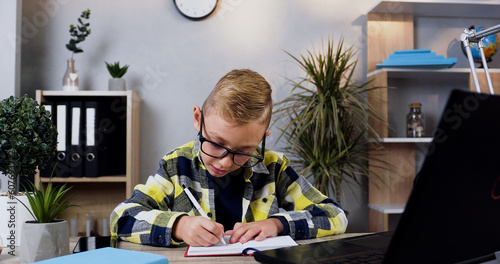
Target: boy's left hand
{"points": [[243, 232]]}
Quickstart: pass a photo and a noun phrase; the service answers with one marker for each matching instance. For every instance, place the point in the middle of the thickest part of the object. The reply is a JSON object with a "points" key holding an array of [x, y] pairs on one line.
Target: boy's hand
{"points": [[243, 232], [198, 231]]}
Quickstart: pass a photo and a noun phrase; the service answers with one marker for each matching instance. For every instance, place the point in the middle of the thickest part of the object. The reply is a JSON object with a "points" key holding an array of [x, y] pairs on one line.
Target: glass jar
{"points": [[415, 121], [70, 79]]}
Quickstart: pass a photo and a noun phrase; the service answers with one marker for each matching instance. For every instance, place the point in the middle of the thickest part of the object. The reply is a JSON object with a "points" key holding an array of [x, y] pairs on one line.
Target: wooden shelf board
{"points": [[439, 8], [388, 208], [85, 93], [87, 179], [406, 140], [425, 70]]}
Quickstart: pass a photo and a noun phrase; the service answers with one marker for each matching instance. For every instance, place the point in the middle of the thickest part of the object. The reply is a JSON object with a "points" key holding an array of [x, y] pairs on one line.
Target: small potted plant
{"points": [[116, 83], [78, 34], [28, 139], [45, 237]]}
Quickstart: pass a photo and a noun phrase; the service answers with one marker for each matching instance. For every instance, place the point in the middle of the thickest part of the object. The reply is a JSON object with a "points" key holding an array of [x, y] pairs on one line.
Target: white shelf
{"points": [[406, 140], [429, 86], [439, 8], [86, 93], [406, 71], [388, 208]]}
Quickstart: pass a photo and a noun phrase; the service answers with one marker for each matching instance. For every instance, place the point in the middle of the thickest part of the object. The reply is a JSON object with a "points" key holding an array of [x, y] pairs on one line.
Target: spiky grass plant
{"points": [[115, 70], [47, 202], [326, 120]]}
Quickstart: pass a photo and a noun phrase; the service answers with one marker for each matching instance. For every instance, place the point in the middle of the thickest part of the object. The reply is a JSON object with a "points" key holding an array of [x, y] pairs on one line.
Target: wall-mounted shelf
{"points": [[404, 72], [397, 208], [406, 140], [439, 8], [98, 196], [394, 24], [87, 179]]}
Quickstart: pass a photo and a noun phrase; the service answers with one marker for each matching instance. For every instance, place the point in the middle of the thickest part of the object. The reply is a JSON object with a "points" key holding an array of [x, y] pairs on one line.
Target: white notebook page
{"points": [[237, 248]]}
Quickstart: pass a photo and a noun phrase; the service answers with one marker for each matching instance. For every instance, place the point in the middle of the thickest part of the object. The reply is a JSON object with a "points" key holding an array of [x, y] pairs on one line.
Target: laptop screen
{"points": [[453, 213]]}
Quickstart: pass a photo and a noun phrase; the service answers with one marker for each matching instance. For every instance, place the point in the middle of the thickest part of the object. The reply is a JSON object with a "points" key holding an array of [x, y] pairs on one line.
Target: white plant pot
{"points": [[116, 84], [13, 215], [44, 241]]}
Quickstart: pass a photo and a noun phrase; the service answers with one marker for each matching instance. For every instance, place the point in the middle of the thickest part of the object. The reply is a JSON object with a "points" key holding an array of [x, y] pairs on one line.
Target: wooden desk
{"points": [[176, 254]]}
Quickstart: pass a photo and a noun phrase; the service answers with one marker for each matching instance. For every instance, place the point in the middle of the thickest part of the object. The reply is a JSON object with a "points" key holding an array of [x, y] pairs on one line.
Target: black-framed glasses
{"points": [[218, 151]]}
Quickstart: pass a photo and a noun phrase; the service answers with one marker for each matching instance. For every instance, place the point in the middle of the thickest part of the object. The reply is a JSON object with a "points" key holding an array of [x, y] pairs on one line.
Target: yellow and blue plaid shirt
{"points": [[272, 189]]}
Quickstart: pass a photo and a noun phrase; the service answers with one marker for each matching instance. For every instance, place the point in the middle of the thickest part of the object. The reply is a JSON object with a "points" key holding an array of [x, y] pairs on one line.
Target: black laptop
{"points": [[453, 213]]}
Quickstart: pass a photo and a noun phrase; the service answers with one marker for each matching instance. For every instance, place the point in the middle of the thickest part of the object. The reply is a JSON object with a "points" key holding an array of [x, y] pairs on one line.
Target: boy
{"points": [[243, 188]]}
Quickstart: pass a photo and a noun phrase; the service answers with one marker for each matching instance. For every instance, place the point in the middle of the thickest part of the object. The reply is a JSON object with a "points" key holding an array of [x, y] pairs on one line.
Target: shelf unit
{"points": [[439, 8], [98, 196], [391, 28]]}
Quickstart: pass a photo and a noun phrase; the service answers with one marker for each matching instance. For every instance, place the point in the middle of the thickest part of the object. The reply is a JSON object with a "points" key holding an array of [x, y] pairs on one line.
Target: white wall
{"points": [[10, 54], [175, 62], [10, 49]]}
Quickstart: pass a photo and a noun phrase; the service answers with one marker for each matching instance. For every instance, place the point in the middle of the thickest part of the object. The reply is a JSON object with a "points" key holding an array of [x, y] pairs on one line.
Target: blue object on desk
{"points": [[419, 58], [108, 255]]}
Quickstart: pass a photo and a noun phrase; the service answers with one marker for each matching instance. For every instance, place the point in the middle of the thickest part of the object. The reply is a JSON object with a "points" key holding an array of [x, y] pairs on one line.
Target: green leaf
{"points": [[47, 202], [79, 33], [28, 138], [115, 70]]}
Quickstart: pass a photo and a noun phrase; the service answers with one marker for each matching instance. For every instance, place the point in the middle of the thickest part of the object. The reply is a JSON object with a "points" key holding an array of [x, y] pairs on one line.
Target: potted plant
{"points": [[45, 237], [116, 83], [326, 120], [28, 139], [78, 34]]}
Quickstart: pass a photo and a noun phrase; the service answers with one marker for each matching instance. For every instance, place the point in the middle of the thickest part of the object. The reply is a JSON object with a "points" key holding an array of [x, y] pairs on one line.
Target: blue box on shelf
{"points": [[418, 58]]}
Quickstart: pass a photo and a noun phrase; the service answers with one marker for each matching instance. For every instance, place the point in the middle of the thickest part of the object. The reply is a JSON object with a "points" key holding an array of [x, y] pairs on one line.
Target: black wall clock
{"points": [[196, 9]]}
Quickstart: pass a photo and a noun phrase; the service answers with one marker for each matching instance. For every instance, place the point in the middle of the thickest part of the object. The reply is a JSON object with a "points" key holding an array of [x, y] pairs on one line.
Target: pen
{"points": [[198, 207]]}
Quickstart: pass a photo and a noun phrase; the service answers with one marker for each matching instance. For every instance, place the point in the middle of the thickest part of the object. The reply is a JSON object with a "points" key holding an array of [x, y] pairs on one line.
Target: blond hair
{"points": [[241, 96]]}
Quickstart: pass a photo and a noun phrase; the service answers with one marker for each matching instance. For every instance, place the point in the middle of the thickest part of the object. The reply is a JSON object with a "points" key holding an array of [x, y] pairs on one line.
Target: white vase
{"points": [[44, 240], [14, 214], [116, 84], [70, 79]]}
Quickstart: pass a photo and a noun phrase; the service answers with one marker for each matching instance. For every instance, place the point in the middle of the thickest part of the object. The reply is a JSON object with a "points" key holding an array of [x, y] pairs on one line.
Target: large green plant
{"points": [[326, 120], [28, 138]]}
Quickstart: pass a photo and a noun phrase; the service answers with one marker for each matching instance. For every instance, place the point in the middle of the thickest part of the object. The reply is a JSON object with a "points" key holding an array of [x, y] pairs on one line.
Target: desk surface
{"points": [[176, 254]]}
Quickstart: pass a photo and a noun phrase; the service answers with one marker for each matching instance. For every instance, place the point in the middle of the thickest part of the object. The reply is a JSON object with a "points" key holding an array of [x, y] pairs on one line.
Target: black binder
{"points": [[105, 148], [77, 139]]}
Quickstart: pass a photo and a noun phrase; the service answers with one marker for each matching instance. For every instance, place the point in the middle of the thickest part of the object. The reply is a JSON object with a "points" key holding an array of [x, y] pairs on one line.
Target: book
{"points": [[240, 249], [108, 255]]}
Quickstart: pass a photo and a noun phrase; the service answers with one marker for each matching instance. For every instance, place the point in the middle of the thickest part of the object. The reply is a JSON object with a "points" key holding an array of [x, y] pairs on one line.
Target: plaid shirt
{"points": [[272, 189]]}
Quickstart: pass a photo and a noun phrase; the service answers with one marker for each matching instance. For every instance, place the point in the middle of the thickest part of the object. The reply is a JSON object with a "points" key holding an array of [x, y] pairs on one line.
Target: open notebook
{"points": [[240, 249]]}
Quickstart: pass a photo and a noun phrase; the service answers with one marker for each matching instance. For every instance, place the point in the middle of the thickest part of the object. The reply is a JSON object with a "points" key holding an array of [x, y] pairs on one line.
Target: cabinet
{"points": [[390, 27], [98, 196]]}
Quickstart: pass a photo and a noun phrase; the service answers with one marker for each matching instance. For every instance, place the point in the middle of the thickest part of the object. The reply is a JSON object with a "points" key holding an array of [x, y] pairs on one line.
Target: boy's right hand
{"points": [[197, 231]]}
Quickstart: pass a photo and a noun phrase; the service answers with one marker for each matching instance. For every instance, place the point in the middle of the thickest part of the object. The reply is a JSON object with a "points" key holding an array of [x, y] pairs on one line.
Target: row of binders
{"points": [[91, 140]]}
